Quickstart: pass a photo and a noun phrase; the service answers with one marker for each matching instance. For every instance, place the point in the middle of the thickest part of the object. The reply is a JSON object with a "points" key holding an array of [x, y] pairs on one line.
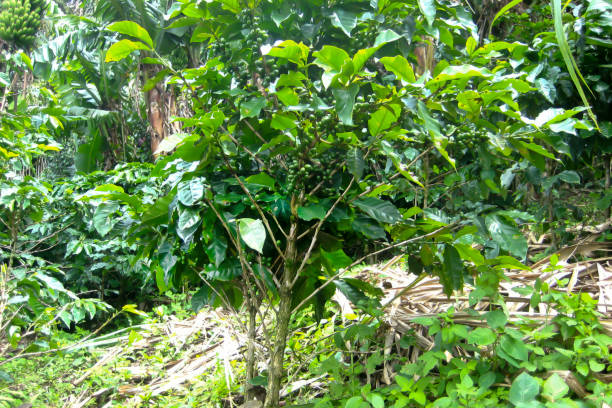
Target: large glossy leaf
{"points": [[452, 275], [252, 107], [101, 220], [378, 209], [355, 162], [261, 179], [368, 227], [188, 222], [217, 249], [191, 191], [332, 261], [481, 336], [383, 118], [400, 67], [253, 233], [205, 296], [159, 212], [506, 235], [122, 49], [352, 293], [428, 8], [292, 51], [345, 20], [88, 154], [311, 212], [132, 29], [345, 102], [330, 58], [228, 270]]}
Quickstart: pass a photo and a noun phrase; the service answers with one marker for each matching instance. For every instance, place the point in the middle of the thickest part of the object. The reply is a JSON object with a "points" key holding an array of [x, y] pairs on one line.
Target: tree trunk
{"points": [[250, 357], [161, 105], [283, 316]]}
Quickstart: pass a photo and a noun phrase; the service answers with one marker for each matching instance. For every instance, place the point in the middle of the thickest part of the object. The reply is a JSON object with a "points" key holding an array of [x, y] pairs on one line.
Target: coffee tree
{"points": [[323, 128]]}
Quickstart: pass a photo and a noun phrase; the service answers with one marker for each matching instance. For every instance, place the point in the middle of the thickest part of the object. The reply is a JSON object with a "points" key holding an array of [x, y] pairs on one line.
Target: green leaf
{"points": [[188, 222], [365, 287], [288, 97], [191, 191], [330, 58], [469, 101], [292, 51], [65, 317], [280, 14], [470, 45], [503, 11], [151, 82], [354, 402], [496, 319], [446, 37], [566, 53], [570, 176], [216, 250], [132, 29], [312, 212], [554, 388], [261, 179], [228, 270], [383, 118], [368, 227], [385, 37], [486, 380], [100, 218], [253, 233], [452, 276], [378, 209], [355, 163], [345, 20], [345, 101], [400, 67], [352, 293], [524, 389], [122, 49], [514, 348], [335, 260], [595, 365], [283, 121], [454, 72], [481, 336], [506, 236], [428, 8], [252, 107], [203, 297], [362, 56], [265, 275]]}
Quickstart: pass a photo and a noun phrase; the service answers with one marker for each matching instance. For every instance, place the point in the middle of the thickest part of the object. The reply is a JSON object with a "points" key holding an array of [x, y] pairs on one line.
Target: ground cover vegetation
{"points": [[251, 161]]}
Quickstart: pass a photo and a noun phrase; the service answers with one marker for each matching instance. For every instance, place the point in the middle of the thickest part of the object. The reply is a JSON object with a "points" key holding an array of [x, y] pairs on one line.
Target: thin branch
{"points": [[318, 228]]}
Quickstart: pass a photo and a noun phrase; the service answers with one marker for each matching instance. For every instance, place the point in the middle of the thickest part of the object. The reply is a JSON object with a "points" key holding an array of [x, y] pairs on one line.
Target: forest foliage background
{"points": [[161, 159]]}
